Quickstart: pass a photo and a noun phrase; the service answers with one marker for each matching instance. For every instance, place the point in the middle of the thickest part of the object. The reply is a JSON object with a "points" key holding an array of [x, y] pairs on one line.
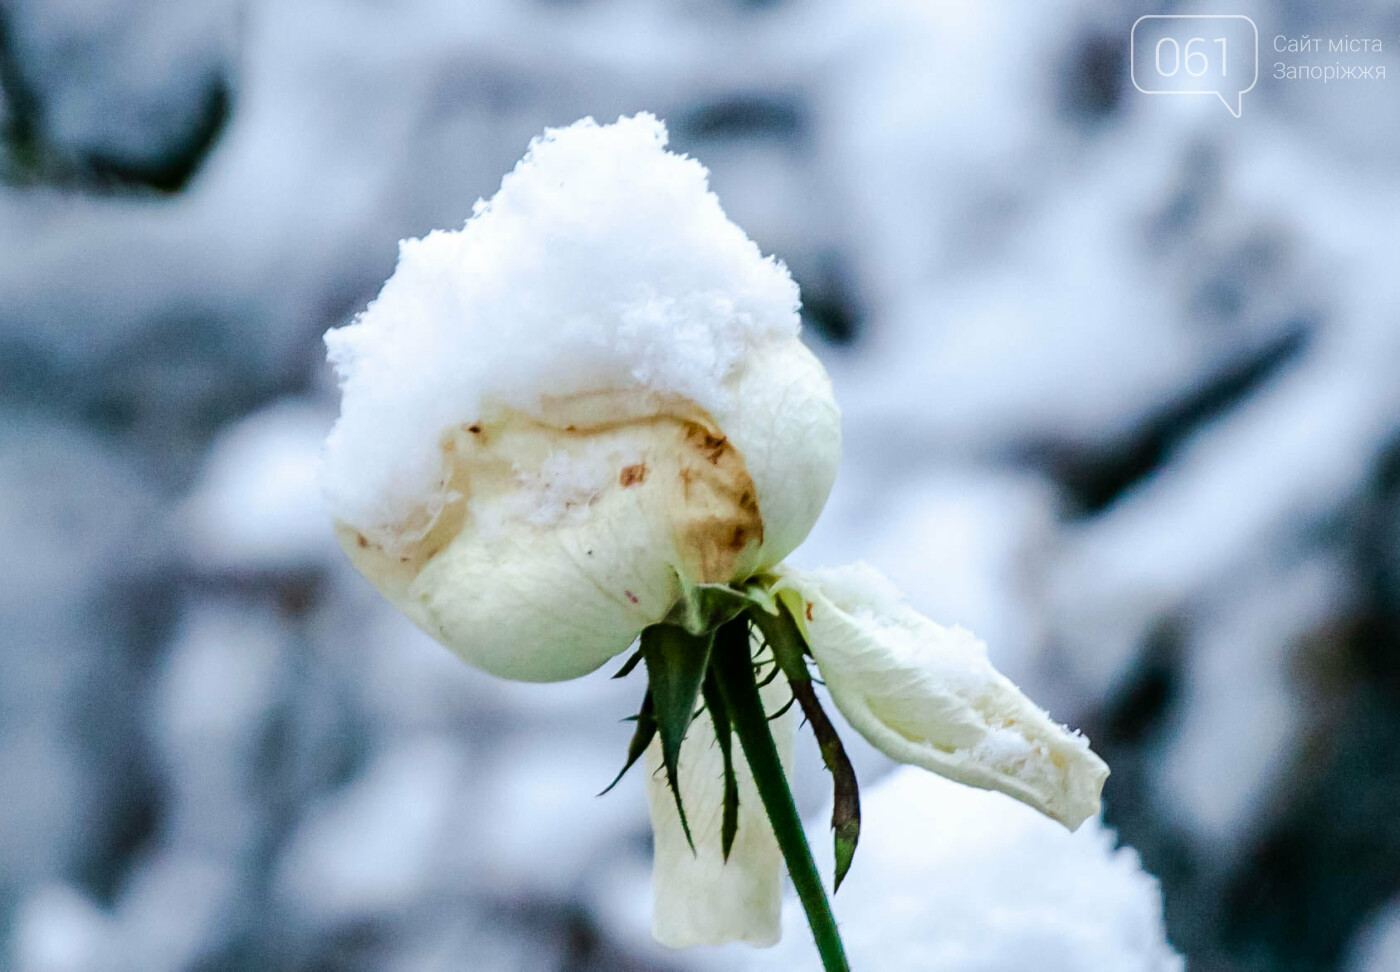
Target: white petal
{"points": [[700, 899], [787, 426], [566, 534], [563, 540], [927, 695]]}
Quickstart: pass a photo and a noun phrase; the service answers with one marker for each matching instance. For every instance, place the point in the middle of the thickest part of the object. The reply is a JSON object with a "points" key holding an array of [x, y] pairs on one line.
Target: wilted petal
{"points": [[927, 695], [699, 898]]}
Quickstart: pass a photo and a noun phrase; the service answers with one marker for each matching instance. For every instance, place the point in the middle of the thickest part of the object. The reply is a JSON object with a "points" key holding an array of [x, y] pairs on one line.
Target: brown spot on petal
{"points": [[698, 494], [715, 446], [748, 502], [809, 610], [712, 446], [361, 541], [716, 517]]}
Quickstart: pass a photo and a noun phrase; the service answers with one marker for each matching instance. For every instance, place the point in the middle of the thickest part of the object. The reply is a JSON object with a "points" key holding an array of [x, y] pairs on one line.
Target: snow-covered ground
{"points": [[1118, 376]]}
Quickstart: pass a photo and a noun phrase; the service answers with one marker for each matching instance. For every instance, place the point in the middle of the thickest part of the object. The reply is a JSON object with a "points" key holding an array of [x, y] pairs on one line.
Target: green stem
{"points": [[733, 666]]}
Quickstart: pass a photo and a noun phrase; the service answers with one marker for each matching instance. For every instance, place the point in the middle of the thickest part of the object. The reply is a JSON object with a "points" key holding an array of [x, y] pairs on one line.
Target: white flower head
{"points": [[587, 417], [590, 397]]}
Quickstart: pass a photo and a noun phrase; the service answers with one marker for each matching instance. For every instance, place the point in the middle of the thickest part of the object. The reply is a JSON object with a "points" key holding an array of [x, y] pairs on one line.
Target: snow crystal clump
{"points": [[603, 263], [953, 879]]}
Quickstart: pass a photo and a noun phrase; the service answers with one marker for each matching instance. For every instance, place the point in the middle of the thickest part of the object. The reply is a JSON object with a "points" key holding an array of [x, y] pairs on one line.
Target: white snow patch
{"points": [[604, 262], [953, 879], [257, 505], [58, 929], [1376, 948], [533, 785], [1239, 722], [374, 846]]}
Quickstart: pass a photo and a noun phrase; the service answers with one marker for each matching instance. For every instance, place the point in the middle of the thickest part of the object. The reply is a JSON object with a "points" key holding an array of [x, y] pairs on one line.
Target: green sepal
{"points": [[784, 710], [846, 832], [629, 664], [719, 716], [641, 738], [704, 607], [676, 660]]}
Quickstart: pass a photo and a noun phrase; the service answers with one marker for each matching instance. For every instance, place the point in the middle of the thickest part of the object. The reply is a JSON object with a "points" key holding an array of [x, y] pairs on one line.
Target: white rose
{"points": [[560, 422]]}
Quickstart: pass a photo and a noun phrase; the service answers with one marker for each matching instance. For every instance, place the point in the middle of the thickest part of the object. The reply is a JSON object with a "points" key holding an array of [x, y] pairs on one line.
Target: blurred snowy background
{"points": [[1121, 378]]}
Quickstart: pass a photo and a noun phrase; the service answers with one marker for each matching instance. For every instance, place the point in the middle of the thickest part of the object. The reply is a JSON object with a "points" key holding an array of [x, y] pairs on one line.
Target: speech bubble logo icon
{"points": [[1195, 54]]}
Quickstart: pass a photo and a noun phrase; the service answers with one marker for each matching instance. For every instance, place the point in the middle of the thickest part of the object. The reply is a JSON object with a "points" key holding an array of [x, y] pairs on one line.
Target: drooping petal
{"points": [[927, 695], [699, 898]]}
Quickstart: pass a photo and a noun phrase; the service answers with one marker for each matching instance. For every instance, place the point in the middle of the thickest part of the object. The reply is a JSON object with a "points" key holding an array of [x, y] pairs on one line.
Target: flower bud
{"points": [[558, 420]]}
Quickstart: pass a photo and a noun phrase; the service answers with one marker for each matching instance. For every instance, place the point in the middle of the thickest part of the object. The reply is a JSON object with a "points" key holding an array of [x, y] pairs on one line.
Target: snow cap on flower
{"points": [[603, 263], [928, 695], [557, 419]]}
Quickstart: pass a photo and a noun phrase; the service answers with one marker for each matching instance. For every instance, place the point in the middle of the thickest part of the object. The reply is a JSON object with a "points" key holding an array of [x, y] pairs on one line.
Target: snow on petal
{"points": [[699, 898], [928, 695]]}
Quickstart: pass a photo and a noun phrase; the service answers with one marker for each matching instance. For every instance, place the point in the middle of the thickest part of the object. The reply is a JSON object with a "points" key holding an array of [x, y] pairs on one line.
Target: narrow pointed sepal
{"points": [[719, 717], [641, 739], [676, 661], [847, 835], [629, 664]]}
